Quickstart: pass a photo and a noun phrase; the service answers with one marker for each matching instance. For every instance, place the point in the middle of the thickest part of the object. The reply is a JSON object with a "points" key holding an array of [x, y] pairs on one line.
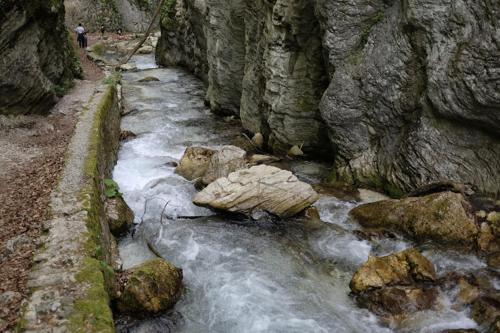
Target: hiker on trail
{"points": [[103, 30], [80, 35]]}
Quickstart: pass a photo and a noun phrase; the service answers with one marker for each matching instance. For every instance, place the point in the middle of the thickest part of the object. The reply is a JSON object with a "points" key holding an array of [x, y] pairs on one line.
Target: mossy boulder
{"points": [[120, 216], [442, 217], [403, 268], [152, 287]]}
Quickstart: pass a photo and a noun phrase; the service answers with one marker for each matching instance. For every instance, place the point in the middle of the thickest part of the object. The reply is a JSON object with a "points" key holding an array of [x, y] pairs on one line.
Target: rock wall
{"points": [[73, 274], [399, 94], [129, 15], [37, 61]]}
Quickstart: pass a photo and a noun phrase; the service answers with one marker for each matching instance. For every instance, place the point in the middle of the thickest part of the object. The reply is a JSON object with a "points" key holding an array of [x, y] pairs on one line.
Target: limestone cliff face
{"points": [[37, 62], [129, 15], [400, 94]]}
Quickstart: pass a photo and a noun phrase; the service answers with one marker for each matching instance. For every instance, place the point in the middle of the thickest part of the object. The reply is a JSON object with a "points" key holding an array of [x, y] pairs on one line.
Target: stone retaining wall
{"points": [[74, 265]]}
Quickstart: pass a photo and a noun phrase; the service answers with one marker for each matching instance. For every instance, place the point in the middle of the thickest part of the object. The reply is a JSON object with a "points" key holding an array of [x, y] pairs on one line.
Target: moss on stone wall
{"points": [[92, 312]]}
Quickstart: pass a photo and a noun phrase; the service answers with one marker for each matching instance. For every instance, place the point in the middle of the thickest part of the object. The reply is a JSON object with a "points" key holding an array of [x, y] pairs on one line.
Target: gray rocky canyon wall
{"points": [[129, 15], [37, 62], [397, 93]]}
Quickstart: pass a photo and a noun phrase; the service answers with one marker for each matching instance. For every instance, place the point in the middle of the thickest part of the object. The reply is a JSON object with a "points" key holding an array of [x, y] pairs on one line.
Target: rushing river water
{"points": [[243, 276]]}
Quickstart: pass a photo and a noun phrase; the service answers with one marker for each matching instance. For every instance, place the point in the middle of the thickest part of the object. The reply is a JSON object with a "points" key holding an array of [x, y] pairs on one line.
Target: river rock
{"points": [[258, 140], [119, 215], [194, 163], [486, 312], [152, 287], [258, 189], [149, 79], [126, 135], [147, 49], [256, 159], [398, 300], [224, 161], [402, 268], [442, 217]]}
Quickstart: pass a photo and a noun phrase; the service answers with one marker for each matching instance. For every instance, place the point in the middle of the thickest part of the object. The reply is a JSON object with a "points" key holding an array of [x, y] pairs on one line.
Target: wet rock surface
{"points": [[151, 287], [119, 215], [258, 189], [442, 217], [396, 285], [402, 268]]}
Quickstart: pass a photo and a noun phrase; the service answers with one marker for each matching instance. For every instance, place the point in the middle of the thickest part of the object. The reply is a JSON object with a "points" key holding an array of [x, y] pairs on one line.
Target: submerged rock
{"points": [[442, 217], [194, 163], [152, 287], [126, 135], [149, 79], [402, 268], [258, 189], [120, 216]]}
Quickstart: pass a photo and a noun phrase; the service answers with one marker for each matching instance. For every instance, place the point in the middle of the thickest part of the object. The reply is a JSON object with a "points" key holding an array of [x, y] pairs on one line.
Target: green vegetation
{"points": [[92, 312], [98, 48], [369, 24], [111, 188], [167, 15]]}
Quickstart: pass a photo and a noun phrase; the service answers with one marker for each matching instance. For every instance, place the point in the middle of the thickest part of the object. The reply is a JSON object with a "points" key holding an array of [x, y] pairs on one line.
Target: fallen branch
{"points": [[146, 35]]}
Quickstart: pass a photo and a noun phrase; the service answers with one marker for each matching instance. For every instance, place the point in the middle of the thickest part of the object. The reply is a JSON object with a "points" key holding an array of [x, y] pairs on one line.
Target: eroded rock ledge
{"points": [[399, 94]]}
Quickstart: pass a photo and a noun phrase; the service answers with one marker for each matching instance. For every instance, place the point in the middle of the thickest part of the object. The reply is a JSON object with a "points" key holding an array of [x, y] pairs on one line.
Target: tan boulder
{"points": [[402, 268], [442, 217], [258, 140], [194, 163], [258, 189], [119, 215], [152, 287], [224, 161]]}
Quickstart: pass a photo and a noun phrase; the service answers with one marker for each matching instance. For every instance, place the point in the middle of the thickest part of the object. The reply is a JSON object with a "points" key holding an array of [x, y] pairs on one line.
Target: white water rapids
{"points": [[243, 276]]}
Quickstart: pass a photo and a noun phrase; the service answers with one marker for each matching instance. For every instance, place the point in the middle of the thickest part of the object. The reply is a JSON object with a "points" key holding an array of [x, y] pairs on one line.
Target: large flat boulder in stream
{"points": [[258, 189], [442, 217]]}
